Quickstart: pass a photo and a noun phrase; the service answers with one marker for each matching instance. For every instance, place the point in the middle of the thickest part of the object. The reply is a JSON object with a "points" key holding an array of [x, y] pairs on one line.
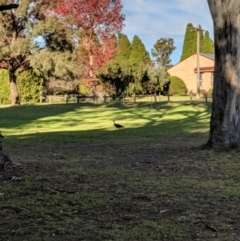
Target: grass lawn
{"points": [[78, 178]]}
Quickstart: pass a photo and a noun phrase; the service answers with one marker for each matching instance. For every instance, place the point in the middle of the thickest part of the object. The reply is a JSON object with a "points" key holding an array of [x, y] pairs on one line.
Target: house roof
{"points": [[210, 56], [206, 55]]}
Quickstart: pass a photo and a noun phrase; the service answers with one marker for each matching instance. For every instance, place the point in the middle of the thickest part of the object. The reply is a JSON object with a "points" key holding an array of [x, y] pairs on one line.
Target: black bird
{"points": [[118, 126]]}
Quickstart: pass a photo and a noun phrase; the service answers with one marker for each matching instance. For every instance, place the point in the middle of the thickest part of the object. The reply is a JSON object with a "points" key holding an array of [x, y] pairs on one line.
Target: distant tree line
{"points": [[46, 44]]}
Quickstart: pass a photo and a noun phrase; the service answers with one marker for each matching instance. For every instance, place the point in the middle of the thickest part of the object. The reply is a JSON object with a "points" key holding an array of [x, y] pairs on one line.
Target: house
{"points": [[187, 71]]}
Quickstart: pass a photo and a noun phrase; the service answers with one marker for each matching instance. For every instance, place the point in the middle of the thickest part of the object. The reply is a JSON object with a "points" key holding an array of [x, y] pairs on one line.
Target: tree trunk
{"points": [[225, 117], [15, 100]]}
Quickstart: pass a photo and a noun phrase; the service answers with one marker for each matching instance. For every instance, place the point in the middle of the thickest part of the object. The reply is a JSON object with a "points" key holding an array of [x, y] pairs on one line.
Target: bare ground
{"points": [[160, 189]]}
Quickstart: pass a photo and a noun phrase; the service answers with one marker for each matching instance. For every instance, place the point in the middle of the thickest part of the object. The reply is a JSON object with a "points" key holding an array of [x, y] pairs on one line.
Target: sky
{"points": [[151, 20]]}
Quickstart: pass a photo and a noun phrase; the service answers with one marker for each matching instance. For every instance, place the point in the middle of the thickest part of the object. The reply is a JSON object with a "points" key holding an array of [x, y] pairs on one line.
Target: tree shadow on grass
{"points": [[56, 123]]}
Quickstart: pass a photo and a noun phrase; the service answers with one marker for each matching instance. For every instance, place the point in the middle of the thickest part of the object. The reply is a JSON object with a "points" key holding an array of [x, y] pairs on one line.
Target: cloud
{"points": [[151, 20]]}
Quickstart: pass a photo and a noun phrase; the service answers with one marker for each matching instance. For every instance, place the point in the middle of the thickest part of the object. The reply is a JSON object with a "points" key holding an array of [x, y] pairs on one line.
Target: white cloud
{"points": [[154, 19]]}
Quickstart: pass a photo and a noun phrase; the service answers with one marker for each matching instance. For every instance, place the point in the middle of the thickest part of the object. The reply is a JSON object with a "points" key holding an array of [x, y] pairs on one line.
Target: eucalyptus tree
{"points": [[16, 26], [22, 48], [55, 54], [225, 117], [162, 50]]}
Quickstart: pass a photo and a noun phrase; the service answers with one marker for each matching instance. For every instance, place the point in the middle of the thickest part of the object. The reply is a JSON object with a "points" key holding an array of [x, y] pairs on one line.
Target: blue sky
{"points": [[151, 20]]}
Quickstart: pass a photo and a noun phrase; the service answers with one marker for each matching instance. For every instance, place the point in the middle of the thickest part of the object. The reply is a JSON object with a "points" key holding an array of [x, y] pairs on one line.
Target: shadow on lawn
{"points": [[156, 125]]}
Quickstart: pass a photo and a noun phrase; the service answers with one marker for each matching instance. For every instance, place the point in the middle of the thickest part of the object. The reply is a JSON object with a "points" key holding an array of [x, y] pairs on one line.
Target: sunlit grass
{"points": [[178, 117]]}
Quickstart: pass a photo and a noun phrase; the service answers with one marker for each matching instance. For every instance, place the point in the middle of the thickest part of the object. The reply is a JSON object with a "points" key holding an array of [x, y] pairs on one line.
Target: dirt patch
{"points": [[144, 191]]}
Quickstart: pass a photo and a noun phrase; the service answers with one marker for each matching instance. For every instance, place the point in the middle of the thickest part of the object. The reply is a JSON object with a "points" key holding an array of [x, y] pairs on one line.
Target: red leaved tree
{"points": [[98, 22]]}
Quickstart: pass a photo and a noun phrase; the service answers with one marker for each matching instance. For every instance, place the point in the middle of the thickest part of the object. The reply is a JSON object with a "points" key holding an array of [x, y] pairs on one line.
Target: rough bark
{"points": [[225, 117], [15, 100]]}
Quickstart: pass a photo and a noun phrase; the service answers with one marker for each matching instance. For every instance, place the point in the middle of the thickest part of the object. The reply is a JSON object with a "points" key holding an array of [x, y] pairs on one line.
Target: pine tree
{"points": [[124, 48], [189, 44], [208, 44], [138, 51]]}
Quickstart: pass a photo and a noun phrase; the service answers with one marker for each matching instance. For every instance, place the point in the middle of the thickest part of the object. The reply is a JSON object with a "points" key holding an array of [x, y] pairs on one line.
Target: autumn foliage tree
{"points": [[98, 21]]}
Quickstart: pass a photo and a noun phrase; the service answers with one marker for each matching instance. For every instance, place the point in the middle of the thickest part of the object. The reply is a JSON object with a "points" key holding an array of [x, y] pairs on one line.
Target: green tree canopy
{"points": [[162, 50], [123, 48], [138, 51], [208, 44], [189, 43]]}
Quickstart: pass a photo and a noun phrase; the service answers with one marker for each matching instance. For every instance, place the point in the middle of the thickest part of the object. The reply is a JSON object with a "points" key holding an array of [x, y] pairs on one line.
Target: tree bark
{"points": [[15, 100], [225, 117]]}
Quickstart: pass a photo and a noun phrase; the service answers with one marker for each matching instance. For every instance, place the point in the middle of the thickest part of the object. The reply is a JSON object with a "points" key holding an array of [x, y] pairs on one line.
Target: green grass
{"points": [[80, 179], [93, 122]]}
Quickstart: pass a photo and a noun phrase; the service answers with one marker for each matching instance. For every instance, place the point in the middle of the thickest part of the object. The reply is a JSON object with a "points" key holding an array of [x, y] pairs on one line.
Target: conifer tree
{"points": [[123, 48], [208, 44], [138, 51], [189, 44]]}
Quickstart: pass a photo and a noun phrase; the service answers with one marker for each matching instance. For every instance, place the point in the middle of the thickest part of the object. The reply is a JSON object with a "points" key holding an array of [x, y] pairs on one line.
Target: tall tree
{"points": [[16, 42], [123, 48], [14, 45], [56, 55], [138, 51], [225, 117], [189, 44], [208, 44], [162, 50], [98, 21]]}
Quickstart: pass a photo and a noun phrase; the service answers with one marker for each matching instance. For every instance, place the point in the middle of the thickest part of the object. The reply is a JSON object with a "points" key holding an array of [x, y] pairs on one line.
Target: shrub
{"points": [[177, 86], [209, 92], [5, 89], [29, 84]]}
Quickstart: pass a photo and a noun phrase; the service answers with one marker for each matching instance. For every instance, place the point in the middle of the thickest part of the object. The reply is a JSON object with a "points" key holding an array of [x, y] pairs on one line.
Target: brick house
{"points": [[187, 71]]}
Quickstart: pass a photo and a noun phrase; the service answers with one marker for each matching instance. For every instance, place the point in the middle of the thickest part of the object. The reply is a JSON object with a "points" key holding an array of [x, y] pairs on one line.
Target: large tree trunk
{"points": [[225, 118], [15, 100]]}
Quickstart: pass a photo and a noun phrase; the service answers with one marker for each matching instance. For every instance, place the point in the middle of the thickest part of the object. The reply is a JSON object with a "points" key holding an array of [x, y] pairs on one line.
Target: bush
{"points": [[177, 86], [30, 85], [5, 89], [209, 92]]}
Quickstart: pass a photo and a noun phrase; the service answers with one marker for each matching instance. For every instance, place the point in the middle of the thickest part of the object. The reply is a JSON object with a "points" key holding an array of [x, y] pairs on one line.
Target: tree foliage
{"points": [[4, 90], [123, 48], [99, 21], [30, 85], [162, 50], [118, 75], [177, 86], [18, 43], [190, 42], [138, 52], [208, 44], [157, 78]]}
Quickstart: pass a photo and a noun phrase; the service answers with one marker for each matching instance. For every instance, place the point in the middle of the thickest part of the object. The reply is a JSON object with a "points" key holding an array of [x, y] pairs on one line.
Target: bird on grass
{"points": [[118, 126]]}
